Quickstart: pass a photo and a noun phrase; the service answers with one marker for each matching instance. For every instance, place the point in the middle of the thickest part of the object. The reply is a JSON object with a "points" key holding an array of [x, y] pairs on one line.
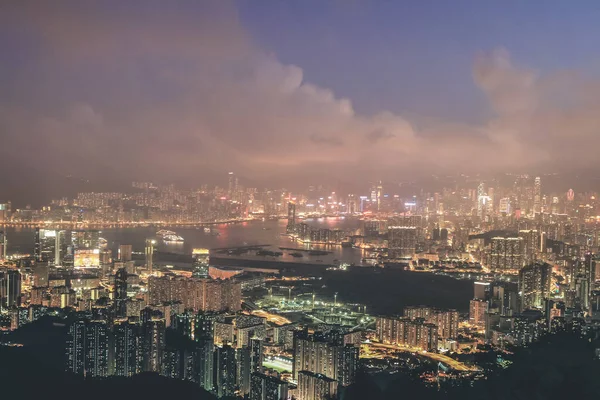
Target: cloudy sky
{"points": [[185, 91]]}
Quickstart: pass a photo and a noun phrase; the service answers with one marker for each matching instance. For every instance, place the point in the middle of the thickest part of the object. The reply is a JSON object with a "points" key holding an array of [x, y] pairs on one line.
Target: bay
{"points": [[268, 232]]}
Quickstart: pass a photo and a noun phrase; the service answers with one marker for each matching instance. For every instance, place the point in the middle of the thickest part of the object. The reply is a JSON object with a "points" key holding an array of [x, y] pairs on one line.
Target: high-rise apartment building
{"points": [[534, 285], [531, 245], [96, 349], [406, 332], [153, 344], [127, 348], [196, 294], [10, 288], [205, 362], [266, 387], [125, 252], [506, 253], [537, 196], [324, 356], [315, 386], [76, 347], [226, 369], [402, 241], [291, 222], [477, 310], [149, 253], [87, 348], [120, 293]]}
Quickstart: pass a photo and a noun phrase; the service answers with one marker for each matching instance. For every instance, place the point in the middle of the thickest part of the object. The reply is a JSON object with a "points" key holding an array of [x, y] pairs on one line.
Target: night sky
{"points": [[185, 91]]}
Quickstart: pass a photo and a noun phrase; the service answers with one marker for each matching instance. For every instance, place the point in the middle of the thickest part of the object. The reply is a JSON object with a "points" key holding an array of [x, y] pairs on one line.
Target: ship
{"points": [[169, 236], [210, 232]]}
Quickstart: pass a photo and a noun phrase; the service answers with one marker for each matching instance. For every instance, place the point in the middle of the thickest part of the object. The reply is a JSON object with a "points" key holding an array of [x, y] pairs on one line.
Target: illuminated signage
{"points": [[88, 258]]}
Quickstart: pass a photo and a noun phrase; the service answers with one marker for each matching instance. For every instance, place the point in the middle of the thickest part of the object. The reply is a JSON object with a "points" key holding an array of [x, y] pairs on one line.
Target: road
{"points": [[274, 318], [450, 362]]}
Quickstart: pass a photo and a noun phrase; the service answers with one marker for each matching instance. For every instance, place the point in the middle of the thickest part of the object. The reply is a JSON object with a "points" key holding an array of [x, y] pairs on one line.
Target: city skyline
{"points": [[299, 200]]}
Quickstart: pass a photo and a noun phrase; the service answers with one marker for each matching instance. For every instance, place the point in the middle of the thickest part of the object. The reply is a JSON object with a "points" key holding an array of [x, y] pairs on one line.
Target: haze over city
{"points": [[343, 91]]}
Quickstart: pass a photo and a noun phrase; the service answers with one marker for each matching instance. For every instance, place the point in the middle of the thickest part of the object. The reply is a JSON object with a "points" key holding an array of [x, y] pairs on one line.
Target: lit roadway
{"points": [[276, 319], [450, 362]]}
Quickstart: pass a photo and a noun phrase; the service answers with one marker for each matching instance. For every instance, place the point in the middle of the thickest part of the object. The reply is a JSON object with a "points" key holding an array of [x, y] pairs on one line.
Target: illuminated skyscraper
{"points": [[402, 241], [534, 285], [314, 386], [49, 246], [506, 253], [153, 336], [481, 200], [85, 239], [505, 207], [249, 360], [291, 223], [5, 209], [232, 186], [127, 349], [3, 245], [76, 348], [96, 349], [10, 288], [537, 196], [149, 253], [265, 387], [125, 252], [477, 310], [531, 245], [226, 371], [205, 362], [201, 266], [481, 290], [120, 293]]}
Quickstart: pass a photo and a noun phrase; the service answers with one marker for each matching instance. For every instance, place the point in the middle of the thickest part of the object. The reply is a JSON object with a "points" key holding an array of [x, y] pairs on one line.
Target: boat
{"points": [[169, 236], [206, 229]]}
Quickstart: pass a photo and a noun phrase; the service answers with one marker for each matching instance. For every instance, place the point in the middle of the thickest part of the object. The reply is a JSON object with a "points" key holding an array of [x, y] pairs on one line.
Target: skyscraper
{"points": [[313, 386], [231, 185], [531, 245], [10, 287], [534, 285], [127, 348], [226, 371], [477, 310], [96, 349], [402, 241], [76, 347], [85, 239], [205, 362], [153, 336], [201, 266], [125, 252], [537, 196], [149, 253], [120, 293], [250, 359], [291, 222], [3, 245], [265, 387], [506, 253], [49, 246]]}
